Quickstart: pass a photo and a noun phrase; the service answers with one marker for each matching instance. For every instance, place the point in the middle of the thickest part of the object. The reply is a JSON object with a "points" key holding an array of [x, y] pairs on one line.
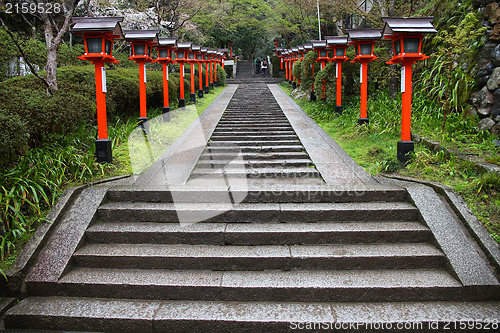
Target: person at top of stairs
{"points": [[257, 65]]}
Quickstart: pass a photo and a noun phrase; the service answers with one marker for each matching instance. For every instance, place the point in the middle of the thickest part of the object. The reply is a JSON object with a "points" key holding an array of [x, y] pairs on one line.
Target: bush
{"points": [[221, 76], [14, 137]]}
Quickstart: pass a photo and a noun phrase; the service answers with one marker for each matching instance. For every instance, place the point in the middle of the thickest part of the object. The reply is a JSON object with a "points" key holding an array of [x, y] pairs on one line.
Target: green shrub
{"points": [[13, 137], [221, 76]]}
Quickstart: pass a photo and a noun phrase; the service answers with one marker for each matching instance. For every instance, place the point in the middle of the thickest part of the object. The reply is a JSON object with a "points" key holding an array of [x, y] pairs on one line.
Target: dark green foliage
{"points": [[307, 77], [276, 66], [13, 137], [221, 75], [46, 117]]}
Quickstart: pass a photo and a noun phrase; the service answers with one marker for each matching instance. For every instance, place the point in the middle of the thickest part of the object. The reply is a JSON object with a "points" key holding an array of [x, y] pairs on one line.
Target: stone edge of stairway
{"points": [[175, 165], [319, 144]]}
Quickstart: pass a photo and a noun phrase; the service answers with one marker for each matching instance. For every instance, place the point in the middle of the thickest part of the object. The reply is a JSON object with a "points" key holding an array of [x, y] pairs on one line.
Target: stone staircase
{"points": [[279, 246], [255, 240], [245, 74], [255, 129]]}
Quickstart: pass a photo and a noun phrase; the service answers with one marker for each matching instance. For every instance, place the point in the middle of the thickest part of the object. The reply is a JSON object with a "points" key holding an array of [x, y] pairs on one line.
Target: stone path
{"points": [[255, 220]]}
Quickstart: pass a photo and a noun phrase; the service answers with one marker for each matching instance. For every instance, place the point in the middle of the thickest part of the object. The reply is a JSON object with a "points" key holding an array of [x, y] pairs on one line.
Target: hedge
{"points": [[34, 118]]}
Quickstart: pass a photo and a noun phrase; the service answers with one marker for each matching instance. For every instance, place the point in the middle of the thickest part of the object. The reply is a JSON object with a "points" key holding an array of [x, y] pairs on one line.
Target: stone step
{"points": [[224, 154], [260, 257], [256, 128], [254, 123], [126, 315], [269, 173], [253, 137], [275, 163], [262, 146], [239, 132], [305, 286], [257, 212], [258, 233], [261, 194]]}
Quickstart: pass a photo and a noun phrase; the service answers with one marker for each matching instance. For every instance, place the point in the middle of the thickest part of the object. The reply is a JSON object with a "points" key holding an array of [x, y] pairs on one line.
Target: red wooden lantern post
{"points": [[295, 52], [192, 60], [211, 57], [279, 54], [98, 35], [300, 56], [216, 57], [320, 47], [364, 41], [338, 47], [181, 58], [142, 42], [230, 44], [199, 60], [204, 52], [285, 64], [165, 49], [406, 34], [308, 47]]}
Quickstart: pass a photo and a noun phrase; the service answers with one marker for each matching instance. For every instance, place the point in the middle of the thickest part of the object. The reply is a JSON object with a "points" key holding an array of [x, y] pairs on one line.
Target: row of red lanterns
{"points": [[99, 34], [406, 35]]}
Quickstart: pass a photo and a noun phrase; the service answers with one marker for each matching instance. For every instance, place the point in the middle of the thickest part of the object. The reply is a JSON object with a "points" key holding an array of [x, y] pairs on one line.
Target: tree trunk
{"points": [[52, 42], [51, 66]]}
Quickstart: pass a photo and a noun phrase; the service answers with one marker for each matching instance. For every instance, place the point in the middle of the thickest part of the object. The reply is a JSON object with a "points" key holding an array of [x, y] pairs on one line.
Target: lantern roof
{"points": [[295, 49], [141, 35], [204, 49], [170, 41], [210, 51], [336, 40], [301, 48], [364, 34], [196, 48], [398, 25], [98, 24], [184, 45], [318, 44], [308, 46]]}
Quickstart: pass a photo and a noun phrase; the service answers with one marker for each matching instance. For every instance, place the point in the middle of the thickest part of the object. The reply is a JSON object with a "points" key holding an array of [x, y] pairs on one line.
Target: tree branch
{"points": [[25, 58]]}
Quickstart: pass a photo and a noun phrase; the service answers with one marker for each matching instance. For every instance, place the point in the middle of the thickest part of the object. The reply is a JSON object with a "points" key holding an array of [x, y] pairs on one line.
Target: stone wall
{"points": [[486, 101]]}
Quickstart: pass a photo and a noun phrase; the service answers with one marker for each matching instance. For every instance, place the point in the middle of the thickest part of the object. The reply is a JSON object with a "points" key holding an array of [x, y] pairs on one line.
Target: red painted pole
{"points": [[212, 74], [102, 124], [286, 71], [215, 73], [142, 89], [207, 81], [165, 85], [339, 83], [323, 89], [182, 101], [364, 92], [406, 101], [200, 91]]}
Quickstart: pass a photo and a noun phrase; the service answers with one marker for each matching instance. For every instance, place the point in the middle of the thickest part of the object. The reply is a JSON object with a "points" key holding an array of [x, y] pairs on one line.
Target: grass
{"points": [[29, 189], [373, 146]]}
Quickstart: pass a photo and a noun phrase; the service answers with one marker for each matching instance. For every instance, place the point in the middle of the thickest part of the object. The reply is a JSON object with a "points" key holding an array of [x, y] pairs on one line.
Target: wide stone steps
{"points": [[259, 257], [304, 286], [255, 164], [227, 154], [253, 137], [259, 212], [258, 233], [261, 132], [119, 315], [263, 146]]}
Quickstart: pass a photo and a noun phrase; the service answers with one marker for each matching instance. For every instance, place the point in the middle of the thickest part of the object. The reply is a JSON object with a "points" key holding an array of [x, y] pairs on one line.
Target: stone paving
{"points": [[256, 220]]}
